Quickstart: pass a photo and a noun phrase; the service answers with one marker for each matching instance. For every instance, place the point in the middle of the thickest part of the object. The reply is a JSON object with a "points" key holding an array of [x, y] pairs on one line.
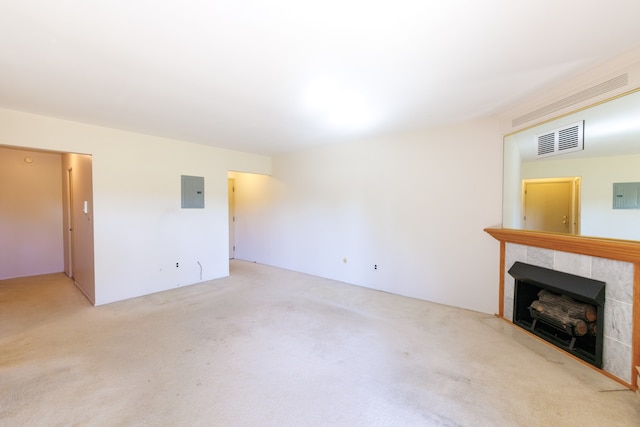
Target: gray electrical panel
{"points": [[192, 192], [626, 195]]}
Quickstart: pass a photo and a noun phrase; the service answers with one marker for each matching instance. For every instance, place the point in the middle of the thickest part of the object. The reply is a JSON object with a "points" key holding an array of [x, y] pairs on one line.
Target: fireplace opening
{"points": [[563, 309]]}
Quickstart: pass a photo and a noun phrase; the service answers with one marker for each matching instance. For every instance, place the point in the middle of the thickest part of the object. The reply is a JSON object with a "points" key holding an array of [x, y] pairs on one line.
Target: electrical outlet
{"points": [[177, 265], [375, 266]]}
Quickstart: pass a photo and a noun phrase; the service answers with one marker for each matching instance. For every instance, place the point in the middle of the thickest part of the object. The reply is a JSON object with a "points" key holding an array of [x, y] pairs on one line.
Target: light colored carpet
{"points": [[270, 347]]}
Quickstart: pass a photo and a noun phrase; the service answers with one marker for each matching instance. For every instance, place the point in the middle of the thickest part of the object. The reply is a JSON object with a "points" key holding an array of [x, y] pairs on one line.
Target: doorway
{"points": [[48, 212], [552, 204], [69, 224], [232, 218]]}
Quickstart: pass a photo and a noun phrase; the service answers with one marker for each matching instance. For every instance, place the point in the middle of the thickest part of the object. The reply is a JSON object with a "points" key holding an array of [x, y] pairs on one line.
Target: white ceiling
{"points": [[281, 75]]}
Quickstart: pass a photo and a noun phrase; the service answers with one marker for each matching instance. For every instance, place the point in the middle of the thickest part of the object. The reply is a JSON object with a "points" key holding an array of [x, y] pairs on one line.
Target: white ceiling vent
{"points": [[562, 140]]}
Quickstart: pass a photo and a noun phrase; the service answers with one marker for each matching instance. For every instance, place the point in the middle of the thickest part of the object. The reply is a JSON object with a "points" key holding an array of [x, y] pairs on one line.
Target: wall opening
{"points": [[62, 220]]}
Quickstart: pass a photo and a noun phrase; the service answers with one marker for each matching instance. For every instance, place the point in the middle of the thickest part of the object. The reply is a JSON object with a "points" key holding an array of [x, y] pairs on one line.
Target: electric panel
{"points": [[626, 195], [192, 192]]}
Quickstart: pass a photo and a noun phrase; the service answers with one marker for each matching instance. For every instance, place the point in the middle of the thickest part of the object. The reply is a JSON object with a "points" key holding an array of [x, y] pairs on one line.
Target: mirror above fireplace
{"points": [[611, 154]]}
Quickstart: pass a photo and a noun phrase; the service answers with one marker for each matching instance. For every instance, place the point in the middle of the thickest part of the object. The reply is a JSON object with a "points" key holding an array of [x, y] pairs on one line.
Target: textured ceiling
{"points": [[283, 75]]}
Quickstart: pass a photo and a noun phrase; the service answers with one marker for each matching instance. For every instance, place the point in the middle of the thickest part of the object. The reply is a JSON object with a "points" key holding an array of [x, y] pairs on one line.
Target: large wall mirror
{"points": [[573, 191]]}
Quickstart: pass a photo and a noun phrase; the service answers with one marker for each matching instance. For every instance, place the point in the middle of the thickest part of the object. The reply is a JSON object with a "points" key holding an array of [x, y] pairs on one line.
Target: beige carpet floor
{"points": [[270, 347]]}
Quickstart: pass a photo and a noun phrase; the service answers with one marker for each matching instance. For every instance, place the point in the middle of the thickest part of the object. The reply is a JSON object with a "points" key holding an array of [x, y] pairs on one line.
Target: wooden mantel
{"points": [[620, 250]]}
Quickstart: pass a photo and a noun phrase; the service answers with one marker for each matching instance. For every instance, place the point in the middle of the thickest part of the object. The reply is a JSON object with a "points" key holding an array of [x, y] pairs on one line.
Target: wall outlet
{"points": [[177, 265]]}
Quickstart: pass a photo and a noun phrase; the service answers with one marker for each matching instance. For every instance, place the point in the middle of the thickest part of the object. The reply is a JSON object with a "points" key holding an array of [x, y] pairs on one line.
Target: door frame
{"points": [[70, 223], [231, 186], [574, 181]]}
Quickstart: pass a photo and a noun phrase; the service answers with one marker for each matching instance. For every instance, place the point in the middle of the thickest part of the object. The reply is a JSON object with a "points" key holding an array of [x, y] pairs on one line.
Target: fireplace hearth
{"points": [[564, 309]]}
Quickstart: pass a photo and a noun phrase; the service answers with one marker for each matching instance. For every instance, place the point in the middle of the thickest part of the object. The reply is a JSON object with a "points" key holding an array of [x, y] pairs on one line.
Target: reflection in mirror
{"points": [[551, 204], [611, 154]]}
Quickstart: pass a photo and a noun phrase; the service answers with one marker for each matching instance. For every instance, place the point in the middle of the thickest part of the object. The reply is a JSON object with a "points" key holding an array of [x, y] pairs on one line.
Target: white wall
{"points": [[140, 231], [415, 205], [78, 190], [30, 213], [598, 218], [512, 187]]}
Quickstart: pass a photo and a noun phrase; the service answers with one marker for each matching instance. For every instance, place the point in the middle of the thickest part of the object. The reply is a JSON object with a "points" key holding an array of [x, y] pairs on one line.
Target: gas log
{"points": [[575, 309], [565, 313]]}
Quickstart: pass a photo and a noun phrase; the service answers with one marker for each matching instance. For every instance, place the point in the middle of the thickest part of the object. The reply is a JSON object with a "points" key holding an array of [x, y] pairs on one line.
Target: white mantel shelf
{"points": [[620, 250]]}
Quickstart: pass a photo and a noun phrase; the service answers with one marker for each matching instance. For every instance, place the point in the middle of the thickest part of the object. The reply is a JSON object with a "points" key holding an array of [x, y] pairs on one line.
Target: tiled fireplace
{"points": [[619, 356], [563, 309], [618, 275]]}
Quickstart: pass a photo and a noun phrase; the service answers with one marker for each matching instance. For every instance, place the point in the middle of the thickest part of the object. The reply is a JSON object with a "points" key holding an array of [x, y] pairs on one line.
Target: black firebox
{"points": [[546, 302]]}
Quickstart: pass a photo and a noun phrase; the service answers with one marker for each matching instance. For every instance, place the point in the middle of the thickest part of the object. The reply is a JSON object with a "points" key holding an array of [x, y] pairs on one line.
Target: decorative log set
{"points": [[563, 312]]}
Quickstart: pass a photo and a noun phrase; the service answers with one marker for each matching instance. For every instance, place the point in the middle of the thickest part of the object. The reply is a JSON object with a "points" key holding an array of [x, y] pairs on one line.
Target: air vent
{"points": [[546, 144], [570, 138], [562, 140], [602, 88]]}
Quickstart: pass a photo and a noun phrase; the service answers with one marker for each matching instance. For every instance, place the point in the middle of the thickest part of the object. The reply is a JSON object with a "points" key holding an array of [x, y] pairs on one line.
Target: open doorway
{"points": [[47, 211], [248, 214], [69, 252], [232, 217], [552, 204]]}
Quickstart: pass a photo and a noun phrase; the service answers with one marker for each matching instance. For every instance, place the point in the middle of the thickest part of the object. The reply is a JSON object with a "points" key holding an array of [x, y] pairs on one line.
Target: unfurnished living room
{"points": [[319, 213]]}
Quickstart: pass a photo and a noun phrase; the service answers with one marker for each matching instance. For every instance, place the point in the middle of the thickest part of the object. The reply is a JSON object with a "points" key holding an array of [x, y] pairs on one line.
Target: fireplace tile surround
{"points": [[615, 262], [618, 317]]}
